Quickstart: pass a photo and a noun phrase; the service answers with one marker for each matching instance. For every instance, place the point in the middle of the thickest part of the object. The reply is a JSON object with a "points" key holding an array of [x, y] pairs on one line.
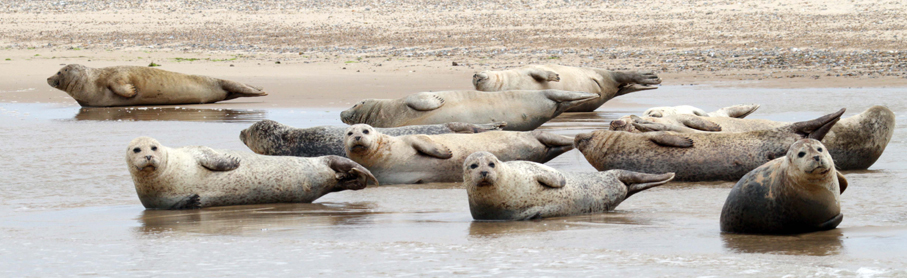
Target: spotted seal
{"points": [[797, 193], [131, 85], [196, 177]]}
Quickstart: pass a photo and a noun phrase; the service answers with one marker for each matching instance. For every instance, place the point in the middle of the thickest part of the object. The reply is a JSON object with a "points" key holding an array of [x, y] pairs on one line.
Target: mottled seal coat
{"points": [[272, 138], [522, 190], [438, 158], [521, 110], [855, 142], [606, 84], [131, 85], [696, 156], [195, 177], [733, 111], [797, 193]]}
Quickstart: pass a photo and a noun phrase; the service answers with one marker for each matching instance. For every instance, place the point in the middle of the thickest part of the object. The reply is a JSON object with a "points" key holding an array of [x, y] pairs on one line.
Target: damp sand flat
{"points": [[69, 206]]}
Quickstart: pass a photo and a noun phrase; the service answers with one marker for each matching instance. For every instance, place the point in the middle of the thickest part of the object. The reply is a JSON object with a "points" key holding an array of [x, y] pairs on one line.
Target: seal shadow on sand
{"points": [[824, 243], [495, 229], [168, 114], [236, 220]]}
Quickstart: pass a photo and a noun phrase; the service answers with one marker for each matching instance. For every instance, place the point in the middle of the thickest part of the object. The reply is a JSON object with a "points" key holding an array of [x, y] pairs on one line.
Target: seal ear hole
{"points": [[473, 166], [801, 154], [365, 131], [491, 165], [153, 148], [137, 150]]}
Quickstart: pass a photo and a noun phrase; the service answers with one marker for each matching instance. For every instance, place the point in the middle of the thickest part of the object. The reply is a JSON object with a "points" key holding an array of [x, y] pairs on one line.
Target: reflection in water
{"points": [[236, 220], [824, 243], [507, 228], [584, 120], [168, 114]]}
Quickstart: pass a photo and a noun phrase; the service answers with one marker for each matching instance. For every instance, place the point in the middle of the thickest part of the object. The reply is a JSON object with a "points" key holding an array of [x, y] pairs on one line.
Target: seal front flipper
{"points": [[214, 161], [349, 174], [842, 182], [698, 123], [549, 177], [122, 87], [189, 202], [636, 181], [424, 145], [671, 140], [544, 75], [831, 224], [424, 101], [647, 126]]}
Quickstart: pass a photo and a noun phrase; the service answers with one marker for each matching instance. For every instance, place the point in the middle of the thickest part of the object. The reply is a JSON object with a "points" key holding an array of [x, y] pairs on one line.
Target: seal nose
{"points": [[816, 157], [617, 124], [147, 157], [484, 173], [358, 137]]}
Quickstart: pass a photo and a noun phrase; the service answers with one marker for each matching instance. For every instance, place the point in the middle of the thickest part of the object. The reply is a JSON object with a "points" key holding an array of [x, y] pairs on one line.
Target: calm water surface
{"points": [[69, 208]]}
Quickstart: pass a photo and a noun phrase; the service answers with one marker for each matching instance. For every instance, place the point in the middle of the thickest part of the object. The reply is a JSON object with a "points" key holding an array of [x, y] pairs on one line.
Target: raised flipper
{"points": [[215, 161], [548, 176], [544, 75], [424, 101], [122, 87], [636, 181], [832, 223], [698, 123], [423, 144], [739, 111], [236, 89], [457, 127], [349, 174], [671, 140], [842, 182], [817, 128]]}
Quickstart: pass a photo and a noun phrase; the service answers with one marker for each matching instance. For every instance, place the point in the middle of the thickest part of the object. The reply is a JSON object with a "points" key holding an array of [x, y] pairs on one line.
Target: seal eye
{"points": [[801, 154], [350, 133], [59, 73], [153, 148], [820, 149], [473, 166], [137, 150], [491, 165], [365, 131]]}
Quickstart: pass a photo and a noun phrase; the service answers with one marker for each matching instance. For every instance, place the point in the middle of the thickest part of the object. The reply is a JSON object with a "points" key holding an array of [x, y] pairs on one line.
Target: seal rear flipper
{"points": [[214, 161], [831, 224], [458, 127], [632, 77], [671, 140], [544, 75], [739, 111], [561, 96], [842, 182], [424, 101], [817, 128], [423, 144], [189, 202], [551, 139], [349, 174], [632, 88], [636, 181], [236, 89]]}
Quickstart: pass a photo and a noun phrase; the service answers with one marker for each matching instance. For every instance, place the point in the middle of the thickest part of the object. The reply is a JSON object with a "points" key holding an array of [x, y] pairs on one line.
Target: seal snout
{"points": [[582, 140]]}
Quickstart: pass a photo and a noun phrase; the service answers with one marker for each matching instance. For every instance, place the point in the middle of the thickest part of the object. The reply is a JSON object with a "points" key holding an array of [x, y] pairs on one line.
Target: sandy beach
{"points": [[69, 206]]}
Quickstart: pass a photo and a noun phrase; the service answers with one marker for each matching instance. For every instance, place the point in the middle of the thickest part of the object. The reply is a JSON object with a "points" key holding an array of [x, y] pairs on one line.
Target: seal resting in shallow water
{"points": [[438, 158], [196, 177], [131, 85], [522, 190], [696, 156], [797, 193], [521, 110], [604, 83], [272, 138]]}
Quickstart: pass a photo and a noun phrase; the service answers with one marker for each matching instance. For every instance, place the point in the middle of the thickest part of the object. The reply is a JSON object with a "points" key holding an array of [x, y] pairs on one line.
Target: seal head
{"points": [[67, 78], [146, 157], [360, 138], [480, 169]]}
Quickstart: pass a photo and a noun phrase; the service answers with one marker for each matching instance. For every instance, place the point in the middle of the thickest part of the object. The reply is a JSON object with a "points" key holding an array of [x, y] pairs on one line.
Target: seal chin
{"points": [[146, 169]]}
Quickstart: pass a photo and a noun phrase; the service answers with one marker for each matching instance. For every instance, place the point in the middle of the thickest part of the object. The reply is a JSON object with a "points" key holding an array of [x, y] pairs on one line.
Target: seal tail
{"points": [[237, 90], [556, 144], [637, 181], [817, 128], [739, 111], [349, 174]]}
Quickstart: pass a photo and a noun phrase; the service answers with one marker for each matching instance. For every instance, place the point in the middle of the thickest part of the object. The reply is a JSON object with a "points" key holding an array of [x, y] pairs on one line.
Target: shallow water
{"points": [[69, 207]]}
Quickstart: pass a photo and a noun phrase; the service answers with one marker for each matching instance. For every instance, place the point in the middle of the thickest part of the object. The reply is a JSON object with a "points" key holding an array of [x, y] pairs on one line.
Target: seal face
{"points": [[130, 85], [522, 190], [195, 177], [797, 193], [268, 137], [521, 110], [696, 156], [423, 158], [606, 84]]}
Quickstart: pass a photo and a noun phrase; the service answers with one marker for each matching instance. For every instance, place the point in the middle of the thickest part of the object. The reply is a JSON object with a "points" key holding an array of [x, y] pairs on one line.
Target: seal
{"points": [[197, 176], [697, 156], [521, 110], [733, 111], [131, 85], [423, 158], [855, 142], [523, 190], [272, 138], [798, 193], [606, 84]]}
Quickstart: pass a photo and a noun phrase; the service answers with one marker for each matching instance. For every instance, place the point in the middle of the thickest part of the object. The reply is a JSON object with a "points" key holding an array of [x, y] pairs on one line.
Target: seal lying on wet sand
{"points": [[131, 85], [797, 193], [606, 84], [521, 110], [196, 177], [696, 156], [733, 111], [272, 138], [439, 158], [522, 190]]}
